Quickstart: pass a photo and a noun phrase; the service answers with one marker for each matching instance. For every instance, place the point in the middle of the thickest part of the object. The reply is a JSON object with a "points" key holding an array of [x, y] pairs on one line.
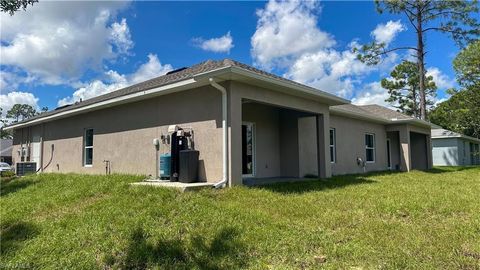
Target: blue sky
{"points": [[57, 53]]}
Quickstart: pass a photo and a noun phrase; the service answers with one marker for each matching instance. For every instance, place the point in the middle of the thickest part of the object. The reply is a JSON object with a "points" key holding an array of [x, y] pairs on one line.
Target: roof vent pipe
{"points": [[222, 89]]}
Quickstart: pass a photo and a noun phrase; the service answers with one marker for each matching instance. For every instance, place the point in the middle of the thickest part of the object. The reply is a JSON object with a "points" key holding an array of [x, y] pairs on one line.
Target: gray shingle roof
{"points": [[184, 74], [353, 109], [445, 133], [146, 85], [385, 113], [377, 112]]}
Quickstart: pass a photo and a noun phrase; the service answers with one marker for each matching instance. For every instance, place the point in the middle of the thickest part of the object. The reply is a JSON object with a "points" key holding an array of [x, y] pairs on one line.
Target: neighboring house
{"points": [[247, 124], [6, 150], [454, 149]]}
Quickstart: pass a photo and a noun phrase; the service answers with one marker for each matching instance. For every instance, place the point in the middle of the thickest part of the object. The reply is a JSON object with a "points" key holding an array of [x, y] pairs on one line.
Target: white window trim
{"points": [[254, 150], [373, 148], [334, 145], [87, 147]]}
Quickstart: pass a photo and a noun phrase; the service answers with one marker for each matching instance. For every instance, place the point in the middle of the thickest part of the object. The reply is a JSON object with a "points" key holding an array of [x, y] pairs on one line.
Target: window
{"points": [[248, 149], [88, 147], [370, 147], [333, 156]]}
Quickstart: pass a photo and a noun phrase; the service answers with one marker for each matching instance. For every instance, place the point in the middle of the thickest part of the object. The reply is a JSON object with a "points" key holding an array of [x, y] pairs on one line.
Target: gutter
{"points": [[412, 121], [222, 183], [181, 85], [373, 118], [456, 137], [299, 87], [235, 70]]}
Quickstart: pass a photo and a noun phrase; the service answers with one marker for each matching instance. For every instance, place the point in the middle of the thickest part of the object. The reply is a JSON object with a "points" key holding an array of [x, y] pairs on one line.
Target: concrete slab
{"points": [[182, 187]]}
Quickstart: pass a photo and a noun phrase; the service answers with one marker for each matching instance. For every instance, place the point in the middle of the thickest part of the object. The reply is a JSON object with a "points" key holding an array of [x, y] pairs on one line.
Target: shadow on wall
{"points": [[449, 155], [224, 251], [13, 235]]}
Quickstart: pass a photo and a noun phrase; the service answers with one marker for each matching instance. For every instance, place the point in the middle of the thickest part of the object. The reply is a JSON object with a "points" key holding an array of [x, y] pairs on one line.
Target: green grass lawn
{"points": [[422, 220]]}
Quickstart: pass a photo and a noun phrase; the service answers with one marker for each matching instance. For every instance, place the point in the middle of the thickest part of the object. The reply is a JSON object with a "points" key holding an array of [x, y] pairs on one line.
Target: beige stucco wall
{"points": [[292, 135], [350, 135], [267, 138], [307, 140], [238, 93], [123, 134]]}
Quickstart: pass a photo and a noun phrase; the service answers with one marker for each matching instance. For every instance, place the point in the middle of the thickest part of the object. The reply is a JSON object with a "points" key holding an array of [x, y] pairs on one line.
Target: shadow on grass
{"points": [[224, 251], [320, 184], [448, 169], [7, 187], [12, 235]]}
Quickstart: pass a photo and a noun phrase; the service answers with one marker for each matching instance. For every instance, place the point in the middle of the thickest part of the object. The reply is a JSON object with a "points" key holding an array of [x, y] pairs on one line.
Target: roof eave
{"points": [[182, 85], [162, 90], [456, 137], [327, 97], [415, 122]]}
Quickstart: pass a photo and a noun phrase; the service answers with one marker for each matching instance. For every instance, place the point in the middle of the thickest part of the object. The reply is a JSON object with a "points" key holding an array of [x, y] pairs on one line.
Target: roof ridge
{"points": [[180, 74]]}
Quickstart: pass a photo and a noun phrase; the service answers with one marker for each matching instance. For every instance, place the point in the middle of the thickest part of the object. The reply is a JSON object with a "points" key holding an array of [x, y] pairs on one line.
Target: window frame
{"points": [[85, 147], [370, 148], [252, 125], [334, 145]]}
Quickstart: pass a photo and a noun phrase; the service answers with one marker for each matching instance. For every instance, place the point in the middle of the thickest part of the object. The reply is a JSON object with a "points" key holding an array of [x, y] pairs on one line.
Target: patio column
{"points": [[429, 152], [323, 151], [235, 138], [404, 139]]}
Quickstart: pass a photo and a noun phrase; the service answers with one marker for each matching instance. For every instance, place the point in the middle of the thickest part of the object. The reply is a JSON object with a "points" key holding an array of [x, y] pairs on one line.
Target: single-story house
{"points": [[6, 146], [454, 149], [247, 123]]}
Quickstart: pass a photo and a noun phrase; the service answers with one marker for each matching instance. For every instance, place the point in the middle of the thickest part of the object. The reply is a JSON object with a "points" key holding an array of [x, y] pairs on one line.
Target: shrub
{"points": [[7, 174]]}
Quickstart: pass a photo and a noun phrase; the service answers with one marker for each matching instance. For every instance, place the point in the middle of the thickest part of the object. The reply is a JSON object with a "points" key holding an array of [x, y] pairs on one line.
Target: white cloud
{"points": [[11, 80], [288, 40], [8, 100], [385, 33], [114, 81], [328, 70], [441, 80], [58, 41], [221, 44], [285, 30], [372, 93], [120, 36], [438, 101], [153, 68]]}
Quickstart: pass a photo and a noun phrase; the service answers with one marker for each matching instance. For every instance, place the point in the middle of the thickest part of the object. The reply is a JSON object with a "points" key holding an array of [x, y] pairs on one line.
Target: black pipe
{"points": [[50, 161]]}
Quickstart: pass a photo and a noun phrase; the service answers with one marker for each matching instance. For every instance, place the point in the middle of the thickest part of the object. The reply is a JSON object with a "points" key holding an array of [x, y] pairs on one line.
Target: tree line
{"points": [[409, 88], [18, 112]]}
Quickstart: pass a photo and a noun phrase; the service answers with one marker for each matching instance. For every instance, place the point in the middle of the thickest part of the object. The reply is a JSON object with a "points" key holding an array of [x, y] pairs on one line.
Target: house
{"points": [[454, 149], [247, 123], [6, 146]]}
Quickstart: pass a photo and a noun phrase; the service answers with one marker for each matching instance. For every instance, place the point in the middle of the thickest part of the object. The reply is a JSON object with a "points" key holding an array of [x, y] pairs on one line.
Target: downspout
{"points": [[222, 89], [41, 147]]}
